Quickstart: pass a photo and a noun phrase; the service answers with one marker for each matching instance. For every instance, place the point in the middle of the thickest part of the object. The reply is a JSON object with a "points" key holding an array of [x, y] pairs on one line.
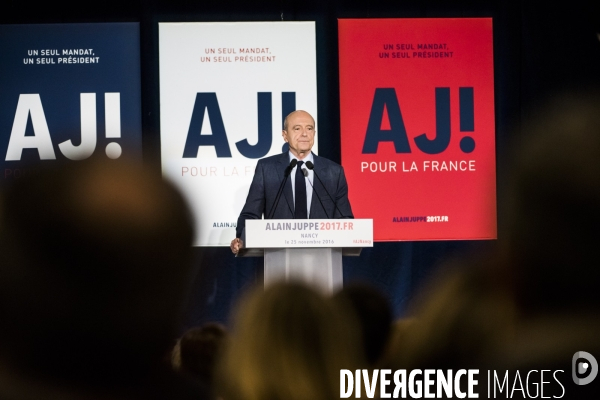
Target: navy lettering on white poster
{"points": [[225, 90]]}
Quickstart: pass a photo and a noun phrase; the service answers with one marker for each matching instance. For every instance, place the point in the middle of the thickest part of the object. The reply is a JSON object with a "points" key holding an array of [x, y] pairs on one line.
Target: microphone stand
{"points": [[305, 172], [311, 166], [286, 173]]}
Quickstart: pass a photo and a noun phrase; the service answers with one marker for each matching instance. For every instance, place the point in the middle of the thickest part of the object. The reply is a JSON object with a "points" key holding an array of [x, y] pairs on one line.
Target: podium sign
{"points": [[308, 233], [308, 250]]}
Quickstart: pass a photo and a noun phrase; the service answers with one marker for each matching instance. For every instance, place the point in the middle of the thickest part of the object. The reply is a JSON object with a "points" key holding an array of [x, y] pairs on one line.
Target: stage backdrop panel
{"points": [[68, 91], [224, 90], [417, 126]]}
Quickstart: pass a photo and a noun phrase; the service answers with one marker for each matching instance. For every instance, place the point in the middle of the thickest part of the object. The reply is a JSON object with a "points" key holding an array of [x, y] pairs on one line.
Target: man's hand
{"points": [[236, 245]]}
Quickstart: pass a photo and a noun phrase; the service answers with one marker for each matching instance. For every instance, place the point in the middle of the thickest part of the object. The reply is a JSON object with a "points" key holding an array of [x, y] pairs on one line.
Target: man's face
{"points": [[300, 133]]}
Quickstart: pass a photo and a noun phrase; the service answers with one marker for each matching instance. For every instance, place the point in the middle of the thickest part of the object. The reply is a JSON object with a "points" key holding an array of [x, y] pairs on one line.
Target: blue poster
{"points": [[68, 92]]}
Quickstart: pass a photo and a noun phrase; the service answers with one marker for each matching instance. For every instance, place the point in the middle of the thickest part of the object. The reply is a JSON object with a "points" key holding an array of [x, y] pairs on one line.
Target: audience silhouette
{"points": [[95, 264]]}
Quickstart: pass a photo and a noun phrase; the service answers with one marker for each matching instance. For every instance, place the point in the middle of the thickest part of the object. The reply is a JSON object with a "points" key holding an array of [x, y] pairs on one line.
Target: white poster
{"points": [[224, 89]]}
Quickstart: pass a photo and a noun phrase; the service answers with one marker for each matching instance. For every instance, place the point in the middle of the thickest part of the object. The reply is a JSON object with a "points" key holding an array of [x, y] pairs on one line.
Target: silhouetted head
{"points": [[289, 342], [197, 351], [554, 207], [96, 256], [374, 313]]}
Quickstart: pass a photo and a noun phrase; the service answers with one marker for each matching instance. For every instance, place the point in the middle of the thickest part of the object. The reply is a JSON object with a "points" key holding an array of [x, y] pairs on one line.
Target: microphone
{"points": [[290, 167], [305, 172], [286, 173], [311, 166]]}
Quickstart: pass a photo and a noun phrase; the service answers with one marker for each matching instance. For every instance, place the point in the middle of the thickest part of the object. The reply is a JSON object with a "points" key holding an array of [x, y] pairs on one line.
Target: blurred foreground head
{"points": [[197, 352], [94, 266], [534, 304], [374, 314], [289, 342], [555, 207]]}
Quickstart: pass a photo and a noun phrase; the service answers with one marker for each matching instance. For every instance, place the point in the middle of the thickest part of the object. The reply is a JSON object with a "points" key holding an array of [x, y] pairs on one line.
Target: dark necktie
{"points": [[300, 211]]}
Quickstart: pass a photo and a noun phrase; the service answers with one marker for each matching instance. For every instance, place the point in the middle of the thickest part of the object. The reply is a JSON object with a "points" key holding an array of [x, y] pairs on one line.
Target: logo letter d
{"points": [[581, 368]]}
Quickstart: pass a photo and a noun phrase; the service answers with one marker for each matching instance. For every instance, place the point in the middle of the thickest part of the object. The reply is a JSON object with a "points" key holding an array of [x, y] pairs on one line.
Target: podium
{"points": [[307, 250]]}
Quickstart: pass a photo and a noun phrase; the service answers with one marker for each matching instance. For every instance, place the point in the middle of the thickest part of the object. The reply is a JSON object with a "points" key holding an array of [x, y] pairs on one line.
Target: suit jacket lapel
{"points": [[284, 161], [315, 206]]}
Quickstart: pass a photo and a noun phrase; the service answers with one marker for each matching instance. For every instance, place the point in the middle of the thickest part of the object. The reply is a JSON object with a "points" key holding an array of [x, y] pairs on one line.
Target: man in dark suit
{"points": [[318, 193]]}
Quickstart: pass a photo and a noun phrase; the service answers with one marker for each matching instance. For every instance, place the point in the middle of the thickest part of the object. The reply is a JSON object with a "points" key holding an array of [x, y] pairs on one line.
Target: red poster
{"points": [[417, 126]]}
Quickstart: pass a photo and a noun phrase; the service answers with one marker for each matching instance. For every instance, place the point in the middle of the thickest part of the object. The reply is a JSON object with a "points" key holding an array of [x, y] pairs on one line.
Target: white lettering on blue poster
{"points": [[69, 91]]}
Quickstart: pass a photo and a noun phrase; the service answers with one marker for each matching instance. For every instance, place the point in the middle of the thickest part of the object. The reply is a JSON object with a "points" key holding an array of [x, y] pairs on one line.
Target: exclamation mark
{"points": [[112, 122], [288, 105], [467, 118]]}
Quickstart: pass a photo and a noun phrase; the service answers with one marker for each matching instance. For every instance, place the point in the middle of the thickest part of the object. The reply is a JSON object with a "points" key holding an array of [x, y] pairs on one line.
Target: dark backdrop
{"points": [[540, 49]]}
